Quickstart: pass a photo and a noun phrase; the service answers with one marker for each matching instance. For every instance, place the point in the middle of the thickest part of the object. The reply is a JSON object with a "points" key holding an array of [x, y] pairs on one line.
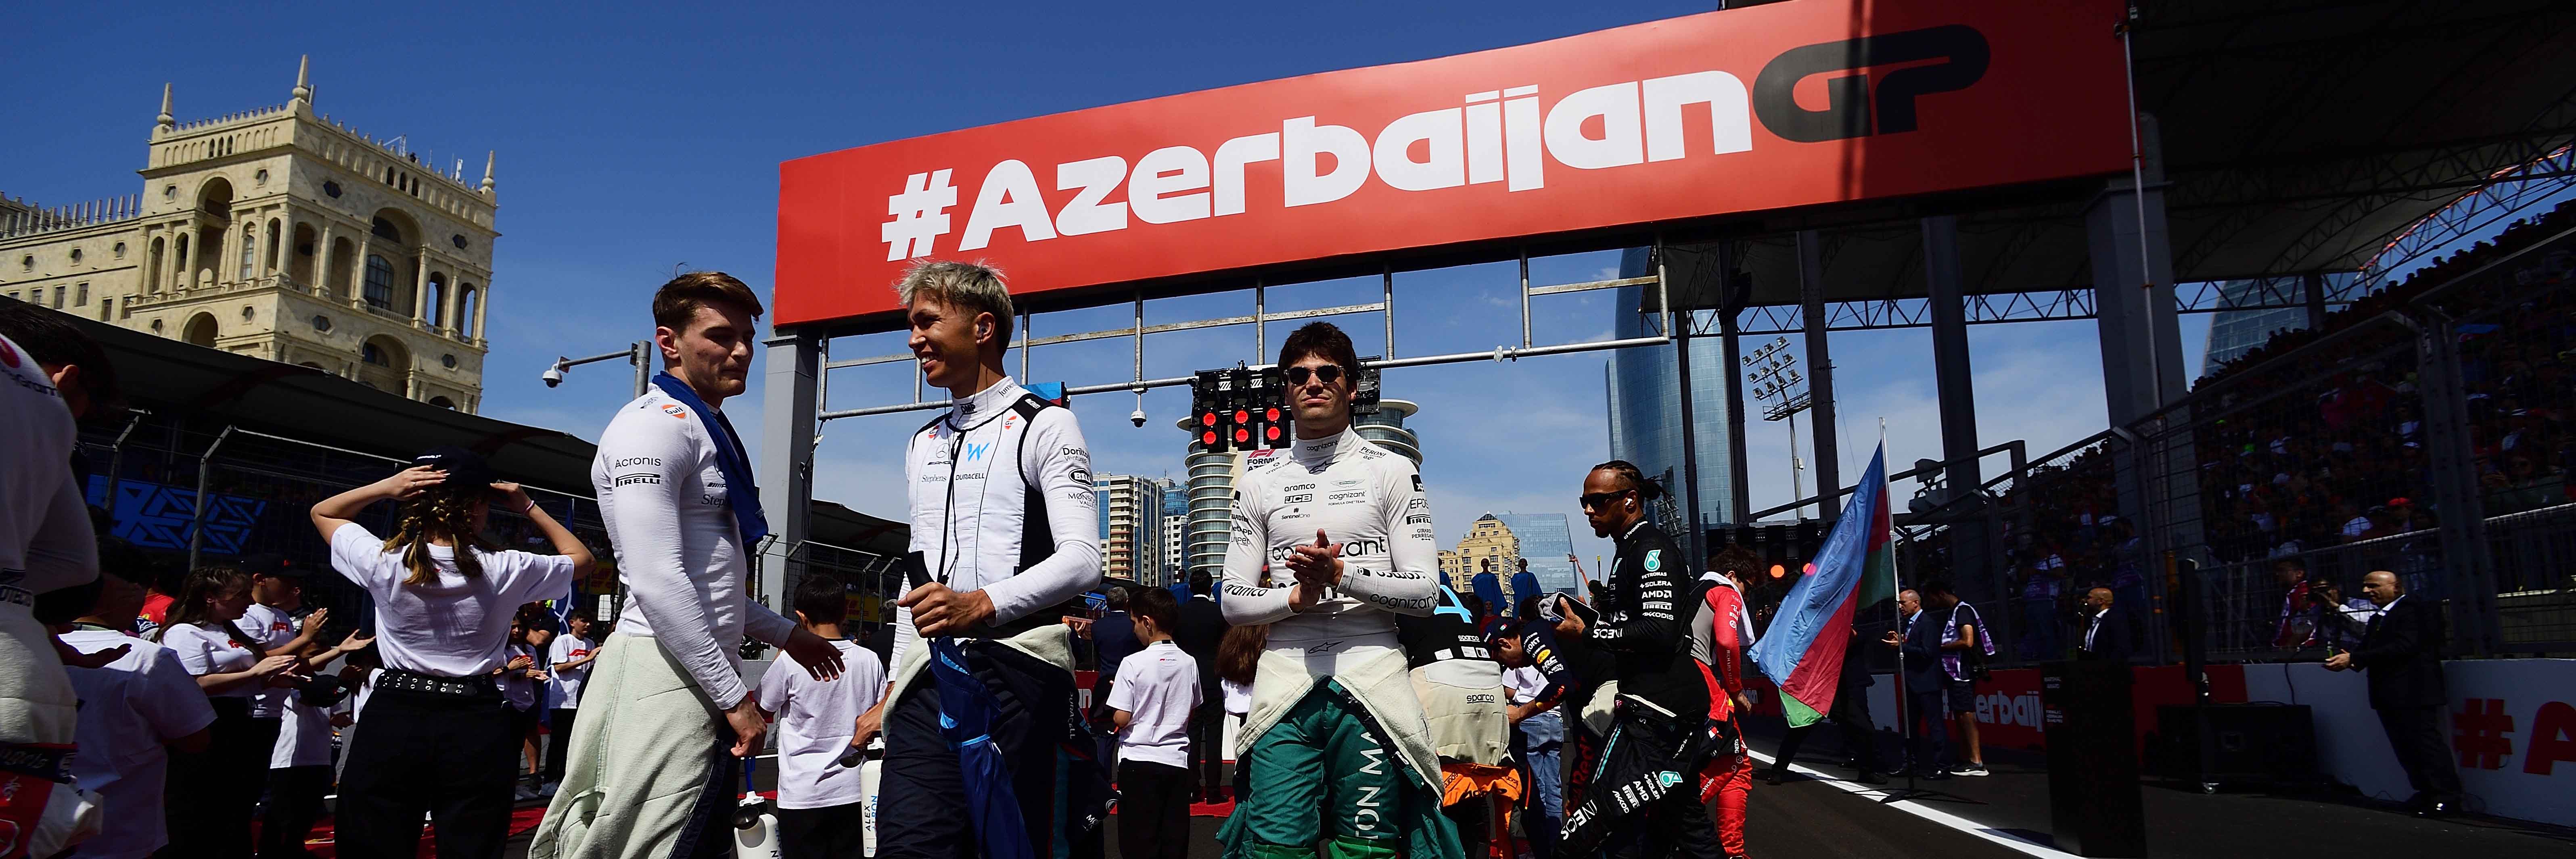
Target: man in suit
{"points": [[1919, 658], [2401, 650], [1201, 627], [2106, 632]]}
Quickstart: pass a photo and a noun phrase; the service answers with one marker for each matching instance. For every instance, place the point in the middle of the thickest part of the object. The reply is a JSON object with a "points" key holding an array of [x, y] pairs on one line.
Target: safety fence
{"points": [[2426, 432], [190, 494]]}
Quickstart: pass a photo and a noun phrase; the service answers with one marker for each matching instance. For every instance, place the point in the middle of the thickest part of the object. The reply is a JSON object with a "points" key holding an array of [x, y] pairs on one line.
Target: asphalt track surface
{"points": [[2006, 816]]}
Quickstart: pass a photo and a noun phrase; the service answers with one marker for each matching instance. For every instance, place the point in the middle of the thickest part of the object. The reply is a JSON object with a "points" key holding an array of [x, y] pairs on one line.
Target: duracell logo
{"points": [[1851, 108]]}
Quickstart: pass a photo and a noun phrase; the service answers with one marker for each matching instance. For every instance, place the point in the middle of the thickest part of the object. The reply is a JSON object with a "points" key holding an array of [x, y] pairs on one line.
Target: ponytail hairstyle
{"points": [[1647, 490], [199, 585], [440, 511]]}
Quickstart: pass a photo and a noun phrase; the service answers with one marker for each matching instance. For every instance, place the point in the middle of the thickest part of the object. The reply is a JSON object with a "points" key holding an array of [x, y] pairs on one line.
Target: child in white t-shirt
{"points": [[819, 811], [133, 711], [1151, 701]]}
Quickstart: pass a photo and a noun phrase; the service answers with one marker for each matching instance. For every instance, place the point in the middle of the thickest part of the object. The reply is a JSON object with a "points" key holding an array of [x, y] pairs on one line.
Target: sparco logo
{"points": [[1503, 135], [1851, 109]]}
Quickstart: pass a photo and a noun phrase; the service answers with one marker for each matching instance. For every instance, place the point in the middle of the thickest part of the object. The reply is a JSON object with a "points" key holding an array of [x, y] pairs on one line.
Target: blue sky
{"points": [[646, 137]]}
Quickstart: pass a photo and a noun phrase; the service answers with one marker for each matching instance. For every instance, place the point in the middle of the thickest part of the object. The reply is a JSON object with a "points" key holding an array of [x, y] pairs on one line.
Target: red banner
{"points": [[1769, 107]]}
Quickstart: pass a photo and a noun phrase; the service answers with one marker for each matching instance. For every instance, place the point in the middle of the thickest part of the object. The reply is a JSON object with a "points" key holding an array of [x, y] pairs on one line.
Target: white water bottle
{"points": [[870, 770], [755, 829]]}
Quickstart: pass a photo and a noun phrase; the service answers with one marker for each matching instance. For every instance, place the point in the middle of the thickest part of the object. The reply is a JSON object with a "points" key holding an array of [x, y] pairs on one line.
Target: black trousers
{"points": [[1677, 825], [1207, 738], [558, 741], [922, 798], [294, 803], [1850, 714], [221, 785], [835, 832], [454, 757], [2415, 734], [1154, 810], [1927, 711]]}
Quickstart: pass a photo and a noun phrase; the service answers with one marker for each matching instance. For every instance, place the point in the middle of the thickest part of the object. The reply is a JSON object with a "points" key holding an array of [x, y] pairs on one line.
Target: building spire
{"points": [[303, 93], [165, 120], [488, 157]]}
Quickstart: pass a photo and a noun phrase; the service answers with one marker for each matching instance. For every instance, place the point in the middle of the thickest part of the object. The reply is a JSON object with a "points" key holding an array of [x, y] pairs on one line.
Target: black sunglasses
{"points": [[1601, 499], [1330, 373]]}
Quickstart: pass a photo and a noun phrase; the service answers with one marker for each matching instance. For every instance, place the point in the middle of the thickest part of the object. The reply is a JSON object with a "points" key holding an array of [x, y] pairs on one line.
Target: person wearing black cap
{"points": [[437, 738]]}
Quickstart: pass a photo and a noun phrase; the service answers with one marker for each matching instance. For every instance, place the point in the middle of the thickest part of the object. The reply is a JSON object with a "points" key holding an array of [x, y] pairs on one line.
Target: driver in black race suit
{"points": [[1332, 540], [1004, 536], [1663, 703]]}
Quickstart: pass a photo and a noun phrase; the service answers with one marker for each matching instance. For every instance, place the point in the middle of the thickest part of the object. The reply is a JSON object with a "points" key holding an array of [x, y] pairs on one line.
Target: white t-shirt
{"points": [[453, 627], [1238, 697], [211, 651], [274, 629], [1158, 687], [516, 688], [129, 709], [563, 688], [815, 722], [303, 736]]}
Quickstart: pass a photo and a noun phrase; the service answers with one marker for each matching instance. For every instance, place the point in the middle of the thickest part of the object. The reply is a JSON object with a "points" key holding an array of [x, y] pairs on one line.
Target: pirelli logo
{"points": [[633, 479]]}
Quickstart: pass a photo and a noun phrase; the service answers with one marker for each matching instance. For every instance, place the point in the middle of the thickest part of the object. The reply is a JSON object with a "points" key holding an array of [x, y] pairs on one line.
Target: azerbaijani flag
{"points": [[1803, 649]]}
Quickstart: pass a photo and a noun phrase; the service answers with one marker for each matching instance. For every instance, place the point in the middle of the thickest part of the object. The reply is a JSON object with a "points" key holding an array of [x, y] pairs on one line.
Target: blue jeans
{"points": [[1546, 796]]}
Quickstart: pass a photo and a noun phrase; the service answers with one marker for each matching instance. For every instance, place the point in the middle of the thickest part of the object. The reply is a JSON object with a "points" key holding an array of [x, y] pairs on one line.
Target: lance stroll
{"points": [[1332, 540]]}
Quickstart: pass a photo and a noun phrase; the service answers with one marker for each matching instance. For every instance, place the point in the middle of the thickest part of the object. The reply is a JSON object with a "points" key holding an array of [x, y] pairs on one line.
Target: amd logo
{"points": [[1851, 109]]}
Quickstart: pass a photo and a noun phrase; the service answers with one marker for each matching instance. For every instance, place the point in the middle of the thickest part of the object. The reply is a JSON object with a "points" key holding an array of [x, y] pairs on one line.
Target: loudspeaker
{"points": [[2267, 744]]}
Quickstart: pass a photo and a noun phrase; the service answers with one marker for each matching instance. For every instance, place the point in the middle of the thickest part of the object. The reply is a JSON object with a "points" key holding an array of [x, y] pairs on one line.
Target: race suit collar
{"points": [[982, 405], [1313, 452]]}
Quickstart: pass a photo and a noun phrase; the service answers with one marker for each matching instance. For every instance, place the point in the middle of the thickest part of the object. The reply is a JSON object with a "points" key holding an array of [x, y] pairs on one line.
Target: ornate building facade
{"points": [[282, 234]]}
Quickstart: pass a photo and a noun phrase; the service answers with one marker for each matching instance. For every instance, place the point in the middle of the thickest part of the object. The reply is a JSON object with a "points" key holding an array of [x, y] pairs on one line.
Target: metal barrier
{"points": [[194, 495]]}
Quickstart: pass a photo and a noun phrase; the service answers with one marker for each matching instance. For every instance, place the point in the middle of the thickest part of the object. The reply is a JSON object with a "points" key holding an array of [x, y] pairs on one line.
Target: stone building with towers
{"points": [[282, 234]]}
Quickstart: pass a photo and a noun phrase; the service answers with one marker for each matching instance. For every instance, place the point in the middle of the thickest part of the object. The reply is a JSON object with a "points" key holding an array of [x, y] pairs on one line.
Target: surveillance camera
{"points": [[1137, 418], [553, 375]]}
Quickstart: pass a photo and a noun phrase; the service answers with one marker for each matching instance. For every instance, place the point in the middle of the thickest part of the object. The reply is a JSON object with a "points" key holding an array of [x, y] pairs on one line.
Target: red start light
{"points": [[1271, 414], [1242, 435], [1270, 433], [1241, 416], [1207, 420], [1208, 438]]}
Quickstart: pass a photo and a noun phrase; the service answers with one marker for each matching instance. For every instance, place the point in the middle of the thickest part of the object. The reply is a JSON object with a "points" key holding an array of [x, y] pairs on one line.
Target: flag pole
{"points": [[1904, 698]]}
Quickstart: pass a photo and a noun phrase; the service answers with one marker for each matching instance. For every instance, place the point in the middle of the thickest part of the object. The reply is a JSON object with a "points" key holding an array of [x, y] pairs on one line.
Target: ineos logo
{"points": [[1851, 110]]}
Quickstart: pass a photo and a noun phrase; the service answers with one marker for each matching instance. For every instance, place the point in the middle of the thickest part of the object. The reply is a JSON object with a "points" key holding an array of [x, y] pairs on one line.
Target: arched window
{"points": [[372, 355], [200, 330], [250, 251], [385, 229], [276, 240], [380, 282], [442, 402], [152, 273], [465, 316], [437, 299]]}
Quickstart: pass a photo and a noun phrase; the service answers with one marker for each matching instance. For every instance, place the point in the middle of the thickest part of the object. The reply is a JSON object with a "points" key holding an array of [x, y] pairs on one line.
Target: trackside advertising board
{"points": [[1769, 107]]}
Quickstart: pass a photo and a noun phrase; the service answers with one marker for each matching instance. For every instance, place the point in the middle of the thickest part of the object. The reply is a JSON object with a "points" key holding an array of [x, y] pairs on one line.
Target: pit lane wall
{"points": [[2512, 724]]}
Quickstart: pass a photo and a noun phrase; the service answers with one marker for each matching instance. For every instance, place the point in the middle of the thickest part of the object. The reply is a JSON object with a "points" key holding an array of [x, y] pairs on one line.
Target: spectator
{"points": [[217, 822], [134, 711], [1151, 708], [1113, 637], [1238, 661], [2106, 631], [438, 739], [522, 679], [820, 810], [1201, 632], [567, 665]]}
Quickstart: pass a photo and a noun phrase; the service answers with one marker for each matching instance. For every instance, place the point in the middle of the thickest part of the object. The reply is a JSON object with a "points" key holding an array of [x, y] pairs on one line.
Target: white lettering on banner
{"points": [[1997, 708], [1499, 136]]}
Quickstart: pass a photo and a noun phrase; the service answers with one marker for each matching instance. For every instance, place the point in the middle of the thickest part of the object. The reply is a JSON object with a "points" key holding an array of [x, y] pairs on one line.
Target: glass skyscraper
{"points": [[1545, 541], [2232, 333], [1645, 407]]}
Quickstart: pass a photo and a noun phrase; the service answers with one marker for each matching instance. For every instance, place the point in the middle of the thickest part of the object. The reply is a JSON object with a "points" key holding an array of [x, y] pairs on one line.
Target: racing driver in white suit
{"points": [[1332, 539]]}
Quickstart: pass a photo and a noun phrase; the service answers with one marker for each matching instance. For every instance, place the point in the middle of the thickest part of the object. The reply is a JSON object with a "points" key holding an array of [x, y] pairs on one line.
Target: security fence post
{"points": [[2468, 571], [197, 516]]}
